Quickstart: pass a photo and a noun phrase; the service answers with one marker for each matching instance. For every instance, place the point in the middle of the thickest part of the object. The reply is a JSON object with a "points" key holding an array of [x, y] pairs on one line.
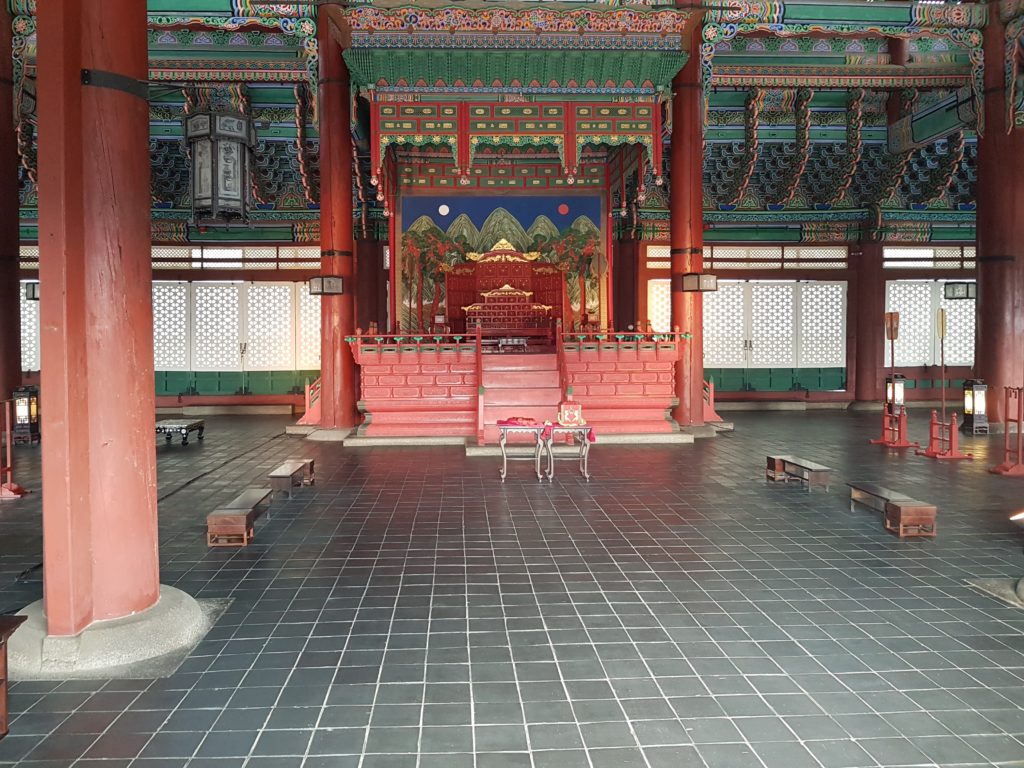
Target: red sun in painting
{"points": [[563, 209]]}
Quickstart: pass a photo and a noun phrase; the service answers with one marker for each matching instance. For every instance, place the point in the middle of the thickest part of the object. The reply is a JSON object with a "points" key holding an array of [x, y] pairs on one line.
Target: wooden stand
{"points": [[908, 517], [7, 626]]}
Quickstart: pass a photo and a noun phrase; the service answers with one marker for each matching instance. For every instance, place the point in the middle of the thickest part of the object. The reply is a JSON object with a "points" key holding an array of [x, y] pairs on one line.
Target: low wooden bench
{"points": [[872, 495], [294, 472], [910, 517], [785, 468], [171, 427], [7, 626], [233, 524]]}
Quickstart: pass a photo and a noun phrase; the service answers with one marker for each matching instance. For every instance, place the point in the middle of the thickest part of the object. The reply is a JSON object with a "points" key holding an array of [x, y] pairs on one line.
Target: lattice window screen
{"points": [[216, 327], [29, 255], [29, 334], [172, 257], [270, 343], [959, 330], [170, 327], [659, 305], [771, 325], [947, 257], [913, 299], [299, 257], [307, 349], [724, 327], [822, 325], [817, 257]]}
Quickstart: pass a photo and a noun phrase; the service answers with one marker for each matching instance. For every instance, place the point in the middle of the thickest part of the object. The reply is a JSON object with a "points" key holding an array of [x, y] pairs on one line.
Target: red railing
{"points": [[8, 488], [710, 414], [312, 415], [1013, 444], [412, 341], [563, 369], [480, 392]]}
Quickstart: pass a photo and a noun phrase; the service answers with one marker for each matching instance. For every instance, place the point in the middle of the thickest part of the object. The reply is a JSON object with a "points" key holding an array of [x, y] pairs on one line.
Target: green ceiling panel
{"points": [[368, 67]]}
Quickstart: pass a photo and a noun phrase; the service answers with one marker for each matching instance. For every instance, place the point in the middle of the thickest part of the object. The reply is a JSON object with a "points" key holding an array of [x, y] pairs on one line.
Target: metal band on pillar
{"points": [[115, 81]]}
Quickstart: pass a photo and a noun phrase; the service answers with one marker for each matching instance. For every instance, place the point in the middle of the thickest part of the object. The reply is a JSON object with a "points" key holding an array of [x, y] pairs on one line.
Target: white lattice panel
{"points": [[948, 257], [817, 257], [737, 257], [822, 338], [659, 305], [959, 330], [270, 331], [970, 254], [216, 327], [299, 257], [307, 349], [724, 327], [29, 255], [172, 257], [220, 258], [170, 327], [29, 333], [771, 325], [908, 258], [913, 300]]}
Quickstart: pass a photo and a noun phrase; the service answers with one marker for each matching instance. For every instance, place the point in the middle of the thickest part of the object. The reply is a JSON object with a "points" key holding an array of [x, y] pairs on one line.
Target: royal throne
{"points": [[507, 293]]}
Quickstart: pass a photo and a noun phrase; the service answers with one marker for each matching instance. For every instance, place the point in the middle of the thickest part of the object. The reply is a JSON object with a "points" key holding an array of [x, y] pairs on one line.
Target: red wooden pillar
{"points": [[686, 236], [999, 349], [10, 299], [99, 457], [337, 366], [866, 315]]}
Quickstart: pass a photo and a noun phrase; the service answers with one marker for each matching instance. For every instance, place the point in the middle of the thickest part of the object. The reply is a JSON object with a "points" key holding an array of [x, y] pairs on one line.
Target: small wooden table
{"points": [[581, 435], [7, 626], [171, 427], [517, 342], [504, 430]]}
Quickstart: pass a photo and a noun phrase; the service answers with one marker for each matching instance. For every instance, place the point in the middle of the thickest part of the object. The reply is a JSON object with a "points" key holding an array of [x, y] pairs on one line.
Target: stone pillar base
{"points": [[175, 624]]}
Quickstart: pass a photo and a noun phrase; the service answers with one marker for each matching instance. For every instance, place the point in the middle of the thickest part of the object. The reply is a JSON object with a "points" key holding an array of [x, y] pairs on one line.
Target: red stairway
{"points": [[519, 385]]}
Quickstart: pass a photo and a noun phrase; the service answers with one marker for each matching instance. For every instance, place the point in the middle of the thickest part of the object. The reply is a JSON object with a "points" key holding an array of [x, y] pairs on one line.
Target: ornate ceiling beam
{"points": [[1011, 13], [960, 24]]}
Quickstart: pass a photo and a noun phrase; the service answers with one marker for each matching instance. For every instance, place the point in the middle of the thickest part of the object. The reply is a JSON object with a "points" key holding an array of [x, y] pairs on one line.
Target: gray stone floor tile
{"points": [[677, 610]]}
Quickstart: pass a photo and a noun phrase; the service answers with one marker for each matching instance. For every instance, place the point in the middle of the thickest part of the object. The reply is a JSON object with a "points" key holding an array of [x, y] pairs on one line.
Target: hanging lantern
{"points": [[221, 144]]}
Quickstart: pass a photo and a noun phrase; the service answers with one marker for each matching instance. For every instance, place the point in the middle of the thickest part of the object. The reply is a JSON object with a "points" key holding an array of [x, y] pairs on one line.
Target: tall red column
{"points": [[99, 459], [10, 300], [337, 366], [686, 236], [866, 311], [999, 348]]}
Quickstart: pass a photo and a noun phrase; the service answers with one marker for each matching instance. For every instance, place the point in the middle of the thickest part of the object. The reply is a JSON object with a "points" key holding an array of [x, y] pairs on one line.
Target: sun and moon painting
{"points": [[438, 231]]}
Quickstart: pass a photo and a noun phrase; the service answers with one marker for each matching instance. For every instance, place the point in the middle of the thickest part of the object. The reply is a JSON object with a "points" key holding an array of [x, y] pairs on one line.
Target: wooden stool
{"points": [[7, 626], [908, 517]]}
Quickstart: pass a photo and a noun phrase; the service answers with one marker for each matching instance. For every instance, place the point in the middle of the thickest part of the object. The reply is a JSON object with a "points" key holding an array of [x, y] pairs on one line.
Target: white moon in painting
{"points": [[444, 210]]}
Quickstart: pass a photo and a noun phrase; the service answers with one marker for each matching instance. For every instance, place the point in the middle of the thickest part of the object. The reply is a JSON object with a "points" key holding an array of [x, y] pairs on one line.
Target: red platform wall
{"points": [[418, 393], [624, 389]]}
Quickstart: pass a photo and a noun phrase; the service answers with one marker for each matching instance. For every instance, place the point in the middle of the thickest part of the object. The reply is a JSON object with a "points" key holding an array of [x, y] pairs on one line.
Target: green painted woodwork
{"points": [[189, 6], [391, 65], [933, 121], [173, 383], [777, 379], [244, 234]]}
